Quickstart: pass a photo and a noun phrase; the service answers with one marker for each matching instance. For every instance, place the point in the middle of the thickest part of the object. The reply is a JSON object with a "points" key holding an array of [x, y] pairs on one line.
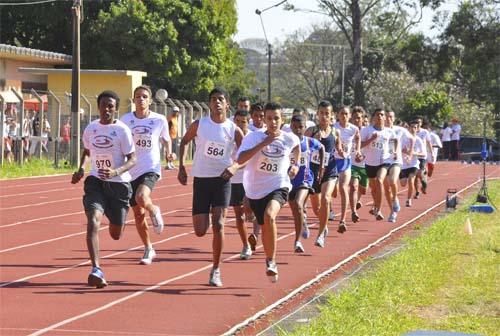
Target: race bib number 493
{"points": [[215, 150], [142, 141]]}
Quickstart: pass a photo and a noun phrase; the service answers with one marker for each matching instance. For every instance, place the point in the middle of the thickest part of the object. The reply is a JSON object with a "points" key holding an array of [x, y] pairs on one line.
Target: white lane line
{"points": [[39, 192], [74, 234], [266, 310], [80, 212], [93, 332]]}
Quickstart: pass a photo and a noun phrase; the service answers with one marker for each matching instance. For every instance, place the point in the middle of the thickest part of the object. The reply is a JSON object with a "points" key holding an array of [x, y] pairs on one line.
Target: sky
{"points": [[279, 22]]}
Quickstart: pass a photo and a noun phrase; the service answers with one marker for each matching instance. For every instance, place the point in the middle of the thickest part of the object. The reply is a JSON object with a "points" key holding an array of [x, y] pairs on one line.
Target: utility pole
{"points": [[77, 10]]}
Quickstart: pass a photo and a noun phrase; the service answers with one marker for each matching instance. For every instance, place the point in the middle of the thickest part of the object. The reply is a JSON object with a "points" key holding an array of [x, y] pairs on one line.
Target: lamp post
{"points": [[75, 83], [269, 47]]}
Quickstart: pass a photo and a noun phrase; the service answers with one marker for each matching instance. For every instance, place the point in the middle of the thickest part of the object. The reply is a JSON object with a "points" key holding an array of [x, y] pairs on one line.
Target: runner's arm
{"points": [[186, 139]]}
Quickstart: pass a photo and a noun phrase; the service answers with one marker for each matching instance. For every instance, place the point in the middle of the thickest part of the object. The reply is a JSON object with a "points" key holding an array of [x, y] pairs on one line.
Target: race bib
{"points": [[215, 150], [345, 147], [143, 141], [270, 165], [377, 145], [102, 161], [315, 158]]}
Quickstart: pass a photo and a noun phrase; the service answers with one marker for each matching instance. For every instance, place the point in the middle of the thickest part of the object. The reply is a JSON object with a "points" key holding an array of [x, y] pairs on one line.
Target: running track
{"points": [[44, 262]]}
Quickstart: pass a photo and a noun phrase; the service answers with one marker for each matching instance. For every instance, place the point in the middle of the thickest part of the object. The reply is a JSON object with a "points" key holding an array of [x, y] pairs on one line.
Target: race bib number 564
{"points": [[215, 150]]}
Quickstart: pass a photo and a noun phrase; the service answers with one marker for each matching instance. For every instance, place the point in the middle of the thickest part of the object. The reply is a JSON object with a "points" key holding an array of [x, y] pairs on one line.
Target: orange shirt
{"points": [[172, 127]]}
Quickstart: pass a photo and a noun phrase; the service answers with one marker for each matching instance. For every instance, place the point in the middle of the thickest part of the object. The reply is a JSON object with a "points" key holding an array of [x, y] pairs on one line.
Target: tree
{"points": [[432, 103], [185, 46]]}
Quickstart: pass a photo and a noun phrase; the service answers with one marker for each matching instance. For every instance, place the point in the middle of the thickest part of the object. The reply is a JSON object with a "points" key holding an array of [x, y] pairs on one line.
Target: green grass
{"points": [[34, 167], [444, 279]]}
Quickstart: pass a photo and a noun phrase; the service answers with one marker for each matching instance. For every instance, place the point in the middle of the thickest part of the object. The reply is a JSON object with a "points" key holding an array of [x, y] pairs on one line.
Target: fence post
{"points": [[58, 129], [40, 117], [206, 109], [89, 105], [21, 99]]}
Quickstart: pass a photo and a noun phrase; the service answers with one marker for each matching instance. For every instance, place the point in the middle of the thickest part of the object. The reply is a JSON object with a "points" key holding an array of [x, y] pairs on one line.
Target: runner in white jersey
{"points": [[149, 130], [375, 141], [435, 142], [301, 112], [349, 139], [108, 144], [238, 200], [395, 161], [267, 177], [422, 171], [257, 114], [213, 167], [412, 148], [359, 179]]}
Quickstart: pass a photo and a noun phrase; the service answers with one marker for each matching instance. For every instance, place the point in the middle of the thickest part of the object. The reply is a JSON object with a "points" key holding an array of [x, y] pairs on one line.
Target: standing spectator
{"points": [[45, 133], [35, 141], [173, 122], [27, 130], [65, 136], [446, 140], [455, 138]]}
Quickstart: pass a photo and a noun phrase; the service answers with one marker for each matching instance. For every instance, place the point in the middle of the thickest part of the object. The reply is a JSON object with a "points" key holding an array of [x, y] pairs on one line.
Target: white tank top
{"points": [[214, 145]]}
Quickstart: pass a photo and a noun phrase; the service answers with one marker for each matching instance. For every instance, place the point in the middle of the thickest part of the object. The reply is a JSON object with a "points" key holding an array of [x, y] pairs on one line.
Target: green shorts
{"points": [[360, 174]]}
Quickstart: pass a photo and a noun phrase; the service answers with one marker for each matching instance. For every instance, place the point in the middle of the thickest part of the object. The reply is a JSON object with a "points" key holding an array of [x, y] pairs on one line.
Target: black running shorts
{"points": [[259, 205], [147, 179], [209, 192]]}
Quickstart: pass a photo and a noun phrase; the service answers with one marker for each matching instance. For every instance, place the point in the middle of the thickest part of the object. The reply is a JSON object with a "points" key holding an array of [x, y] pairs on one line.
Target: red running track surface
{"points": [[44, 262]]}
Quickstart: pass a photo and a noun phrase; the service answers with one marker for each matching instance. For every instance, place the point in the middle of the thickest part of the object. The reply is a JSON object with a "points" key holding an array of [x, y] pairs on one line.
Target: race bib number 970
{"points": [[215, 150], [102, 161]]}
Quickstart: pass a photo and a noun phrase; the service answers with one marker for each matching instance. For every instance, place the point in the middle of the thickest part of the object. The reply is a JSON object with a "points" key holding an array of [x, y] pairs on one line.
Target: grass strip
{"points": [[445, 279], [34, 167]]}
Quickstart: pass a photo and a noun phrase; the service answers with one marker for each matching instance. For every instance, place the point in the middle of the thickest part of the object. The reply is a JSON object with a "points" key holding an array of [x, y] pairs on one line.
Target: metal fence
{"points": [[27, 140]]}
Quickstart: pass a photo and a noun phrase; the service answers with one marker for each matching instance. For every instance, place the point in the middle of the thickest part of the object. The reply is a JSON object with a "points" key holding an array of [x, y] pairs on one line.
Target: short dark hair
{"points": [[358, 109], [242, 99], [414, 121], [272, 106], [419, 117], [144, 87], [325, 103], [109, 94], [378, 109], [298, 118], [242, 113], [219, 90], [298, 110], [256, 107]]}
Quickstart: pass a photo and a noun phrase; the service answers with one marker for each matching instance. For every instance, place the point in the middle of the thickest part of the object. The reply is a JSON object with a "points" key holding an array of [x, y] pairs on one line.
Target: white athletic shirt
{"points": [[147, 133], [424, 135], [377, 152], [238, 177], [252, 128], [267, 170], [214, 144], [288, 128], [399, 133], [446, 134], [436, 144], [456, 129], [418, 147], [108, 146], [346, 137]]}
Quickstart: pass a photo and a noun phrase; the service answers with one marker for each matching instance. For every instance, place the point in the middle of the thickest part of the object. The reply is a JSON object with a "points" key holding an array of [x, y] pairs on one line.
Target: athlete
{"points": [[108, 144], [413, 148], [375, 141], [322, 189], [213, 167], [359, 179], [266, 178], [303, 181], [257, 115], [422, 171], [149, 129], [436, 144], [349, 139]]}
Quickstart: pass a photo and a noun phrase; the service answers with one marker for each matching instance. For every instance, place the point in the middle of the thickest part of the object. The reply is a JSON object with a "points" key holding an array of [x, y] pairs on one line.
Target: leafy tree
{"points": [[433, 103]]}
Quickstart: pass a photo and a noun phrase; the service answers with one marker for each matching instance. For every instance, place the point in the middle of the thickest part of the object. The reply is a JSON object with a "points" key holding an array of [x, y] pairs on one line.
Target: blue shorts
{"points": [[343, 165]]}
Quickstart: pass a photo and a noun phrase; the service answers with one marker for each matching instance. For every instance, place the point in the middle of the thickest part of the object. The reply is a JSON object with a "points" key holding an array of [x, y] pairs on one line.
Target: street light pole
{"points": [[269, 47], [75, 84]]}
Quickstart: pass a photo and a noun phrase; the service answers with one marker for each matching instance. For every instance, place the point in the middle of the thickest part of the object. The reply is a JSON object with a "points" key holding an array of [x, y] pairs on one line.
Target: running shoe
{"points": [[392, 217], [320, 241], [149, 255], [331, 216], [372, 211], [215, 279], [408, 202], [157, 220], [96, 278], [252, 240], [395, 206], [246, 253], [271, 270], [355, 217], [359, 205], [298, 248], [342, 227], [305, 230], [417, 195], [379, 216]]}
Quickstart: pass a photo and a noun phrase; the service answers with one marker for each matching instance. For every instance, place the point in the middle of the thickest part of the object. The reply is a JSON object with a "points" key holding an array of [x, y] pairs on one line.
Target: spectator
{"points": [[45, 133], [455, 138], [35, 140], [446, 140], [173, 127], [65, 136]]}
